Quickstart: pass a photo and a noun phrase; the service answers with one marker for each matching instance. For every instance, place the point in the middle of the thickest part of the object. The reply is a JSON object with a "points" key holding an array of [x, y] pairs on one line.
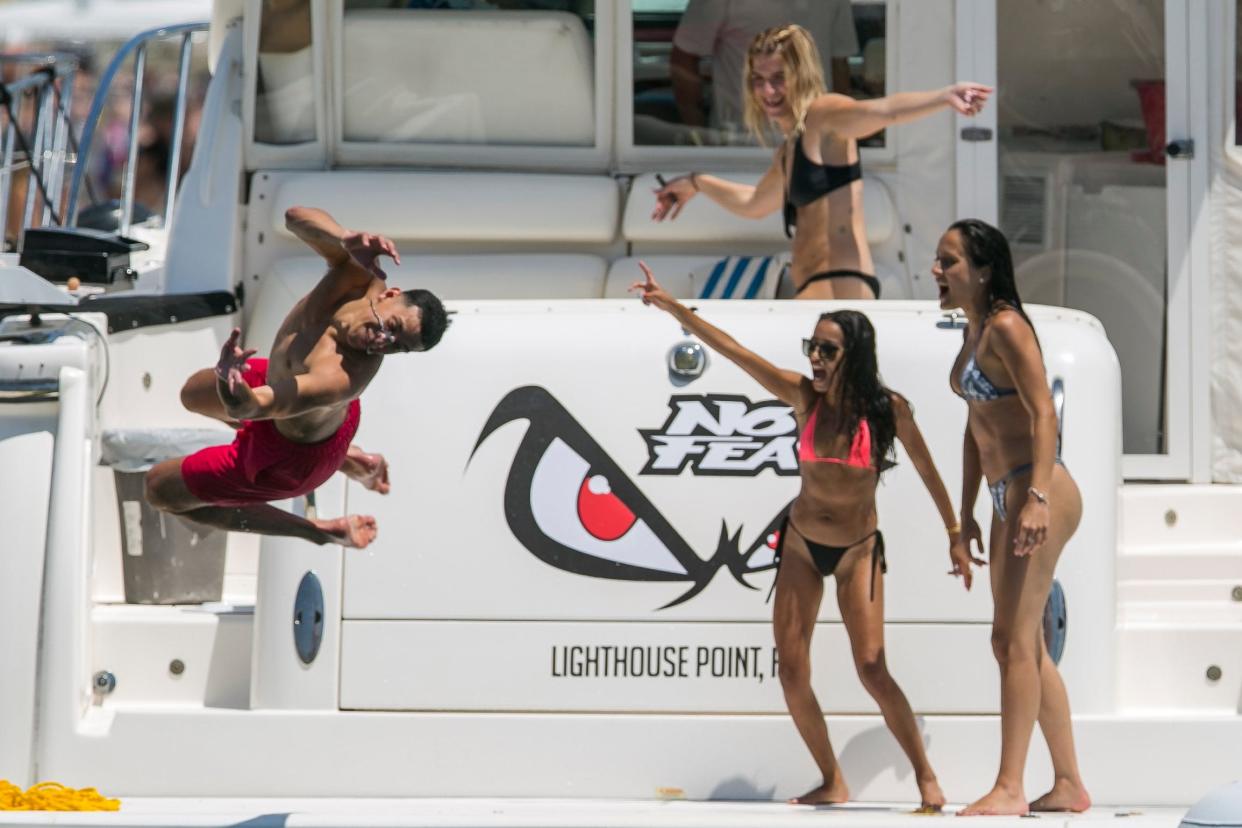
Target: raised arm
{"points": [[786, 386], [745, 200], [337, 245], [318, 388], [353, 257], [852, 118], [319, 231], [1014, 342], [916, 447]]}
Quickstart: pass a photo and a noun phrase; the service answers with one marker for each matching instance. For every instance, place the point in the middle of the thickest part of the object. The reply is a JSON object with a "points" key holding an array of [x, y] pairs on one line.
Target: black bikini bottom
{"points": [[871, 281], [826, 558]]}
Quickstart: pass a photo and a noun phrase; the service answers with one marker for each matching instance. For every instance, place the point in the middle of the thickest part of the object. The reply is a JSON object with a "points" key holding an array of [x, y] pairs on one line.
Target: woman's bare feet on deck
{"points": [[828, 793], [997, 802], [354, 531], [933, 797], [1066, 795]]}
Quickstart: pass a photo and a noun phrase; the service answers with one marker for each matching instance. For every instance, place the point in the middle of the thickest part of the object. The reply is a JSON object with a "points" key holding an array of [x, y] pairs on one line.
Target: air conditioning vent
{"points": [[1023, 202]]}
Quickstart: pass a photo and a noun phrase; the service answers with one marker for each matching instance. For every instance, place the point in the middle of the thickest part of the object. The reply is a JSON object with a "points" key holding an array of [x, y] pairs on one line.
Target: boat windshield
{"points": [[469, 72]]}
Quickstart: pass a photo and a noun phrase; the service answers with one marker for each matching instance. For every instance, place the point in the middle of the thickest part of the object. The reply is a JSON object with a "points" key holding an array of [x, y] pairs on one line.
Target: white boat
{"points": [[492, 659]]}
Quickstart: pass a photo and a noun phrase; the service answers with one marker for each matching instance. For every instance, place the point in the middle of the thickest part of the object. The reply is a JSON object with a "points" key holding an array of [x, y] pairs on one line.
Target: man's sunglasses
{"points": [[390, 338], [827, 350]]}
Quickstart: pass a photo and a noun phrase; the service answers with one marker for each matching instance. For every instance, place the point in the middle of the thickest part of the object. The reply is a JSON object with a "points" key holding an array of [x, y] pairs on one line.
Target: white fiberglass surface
{"points": [[538, 546], [484, 813]]}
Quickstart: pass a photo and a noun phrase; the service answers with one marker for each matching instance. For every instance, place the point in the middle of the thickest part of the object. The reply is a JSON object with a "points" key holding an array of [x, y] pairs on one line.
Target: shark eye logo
{"points": [[570, 505]]}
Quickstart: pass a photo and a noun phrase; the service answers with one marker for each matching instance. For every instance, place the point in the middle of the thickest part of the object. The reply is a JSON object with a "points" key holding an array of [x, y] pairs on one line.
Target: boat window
{"points": [[689, 59], [284, 104], [1081, 149], [506, 72], [1237, 71]]}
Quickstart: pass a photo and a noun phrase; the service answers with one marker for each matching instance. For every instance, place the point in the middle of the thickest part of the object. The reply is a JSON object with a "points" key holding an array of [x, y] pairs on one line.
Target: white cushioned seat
{"points": [[672, 272], [494, 77], [702, 220], [458, 206], [686, 277]]}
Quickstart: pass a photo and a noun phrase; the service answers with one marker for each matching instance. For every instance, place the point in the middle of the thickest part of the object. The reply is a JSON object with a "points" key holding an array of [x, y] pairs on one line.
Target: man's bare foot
{"points": [[371, 470], [933, 797], [997, 802], [826, 794], [354, 531], [1066, 795]]}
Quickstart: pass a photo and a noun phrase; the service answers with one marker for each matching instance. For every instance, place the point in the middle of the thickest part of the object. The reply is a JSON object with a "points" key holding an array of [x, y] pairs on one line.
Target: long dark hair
{"points": [[863, 393], [987, 247]]}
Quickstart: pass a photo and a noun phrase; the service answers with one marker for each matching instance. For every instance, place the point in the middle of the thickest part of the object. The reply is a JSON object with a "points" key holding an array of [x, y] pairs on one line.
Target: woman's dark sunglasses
{"points": [[827, 350]]}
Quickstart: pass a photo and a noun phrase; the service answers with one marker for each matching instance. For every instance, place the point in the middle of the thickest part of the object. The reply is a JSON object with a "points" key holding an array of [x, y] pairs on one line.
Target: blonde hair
{"points": [[804, 74]]}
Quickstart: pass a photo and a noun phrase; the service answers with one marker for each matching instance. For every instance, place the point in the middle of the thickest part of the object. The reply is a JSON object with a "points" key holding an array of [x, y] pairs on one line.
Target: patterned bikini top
{"points": [[974, 385]]}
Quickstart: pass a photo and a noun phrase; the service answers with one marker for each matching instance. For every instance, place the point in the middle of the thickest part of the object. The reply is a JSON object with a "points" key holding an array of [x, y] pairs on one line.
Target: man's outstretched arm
{"points": [[337, 245], [318, 230], [318, 388]]}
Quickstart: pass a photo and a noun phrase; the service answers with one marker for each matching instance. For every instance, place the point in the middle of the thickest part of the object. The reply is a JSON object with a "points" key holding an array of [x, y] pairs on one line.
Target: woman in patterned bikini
{"points": [[1011, 438]]}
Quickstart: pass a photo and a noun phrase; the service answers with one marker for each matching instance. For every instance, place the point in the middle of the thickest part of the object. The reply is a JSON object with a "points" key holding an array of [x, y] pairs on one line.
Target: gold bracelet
{"points": [[955, 529]]}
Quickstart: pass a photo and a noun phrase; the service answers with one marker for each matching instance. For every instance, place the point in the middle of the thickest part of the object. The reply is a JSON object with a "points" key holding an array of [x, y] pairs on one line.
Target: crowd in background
{"points": [[105, 175]]}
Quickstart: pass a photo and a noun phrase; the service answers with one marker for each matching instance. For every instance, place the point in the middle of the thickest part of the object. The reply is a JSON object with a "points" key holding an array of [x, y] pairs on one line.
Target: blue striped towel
{"points": [[741, 277]]}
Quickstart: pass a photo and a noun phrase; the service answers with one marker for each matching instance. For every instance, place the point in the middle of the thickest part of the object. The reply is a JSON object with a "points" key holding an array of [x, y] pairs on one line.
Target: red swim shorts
{"points": [[261, 464]]}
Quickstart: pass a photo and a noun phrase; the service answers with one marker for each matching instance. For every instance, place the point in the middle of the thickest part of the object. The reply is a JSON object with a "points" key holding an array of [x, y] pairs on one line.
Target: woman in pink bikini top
{"points": [[850, 421], [860, 448]]}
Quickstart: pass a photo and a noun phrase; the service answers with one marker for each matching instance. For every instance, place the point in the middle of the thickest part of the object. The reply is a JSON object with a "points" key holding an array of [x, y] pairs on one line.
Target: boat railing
{"points": [[136, 48], [36, 135]]}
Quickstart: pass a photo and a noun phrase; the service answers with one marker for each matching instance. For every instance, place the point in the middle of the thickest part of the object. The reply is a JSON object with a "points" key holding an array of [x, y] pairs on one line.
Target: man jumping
{"points": [[297, 413]]}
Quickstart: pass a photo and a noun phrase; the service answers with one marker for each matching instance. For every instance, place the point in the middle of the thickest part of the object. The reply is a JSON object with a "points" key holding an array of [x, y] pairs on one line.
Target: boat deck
{"points": [[542, 813]]}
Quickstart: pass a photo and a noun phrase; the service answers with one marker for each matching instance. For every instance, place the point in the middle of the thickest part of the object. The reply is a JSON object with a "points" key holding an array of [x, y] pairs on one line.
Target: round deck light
{"points": [[687, 360]]}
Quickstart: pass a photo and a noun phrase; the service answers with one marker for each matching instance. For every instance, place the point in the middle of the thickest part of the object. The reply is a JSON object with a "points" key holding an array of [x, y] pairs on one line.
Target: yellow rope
{"points": [[53, 796]]}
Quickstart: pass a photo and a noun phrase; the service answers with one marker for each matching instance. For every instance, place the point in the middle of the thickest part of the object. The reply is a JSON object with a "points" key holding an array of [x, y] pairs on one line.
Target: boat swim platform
{"points": [[551, 813]]}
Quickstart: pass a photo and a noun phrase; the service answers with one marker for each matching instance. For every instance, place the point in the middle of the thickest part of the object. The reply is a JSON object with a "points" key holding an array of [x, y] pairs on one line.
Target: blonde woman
{"points": [[815, 173]]}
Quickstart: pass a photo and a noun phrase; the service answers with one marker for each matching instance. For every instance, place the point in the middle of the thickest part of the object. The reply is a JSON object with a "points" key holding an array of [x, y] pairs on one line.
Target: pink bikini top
{"points": [[860, 449]]}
